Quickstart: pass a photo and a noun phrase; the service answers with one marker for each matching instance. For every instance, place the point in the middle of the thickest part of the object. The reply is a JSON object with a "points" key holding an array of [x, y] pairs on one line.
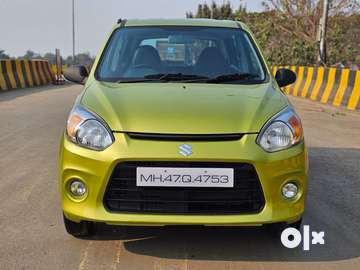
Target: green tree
{"points": [[344, 39], [31, 55], [51, 57], [219, 12], [287, 29], [80, 59], [298, 21], [3, 55]]}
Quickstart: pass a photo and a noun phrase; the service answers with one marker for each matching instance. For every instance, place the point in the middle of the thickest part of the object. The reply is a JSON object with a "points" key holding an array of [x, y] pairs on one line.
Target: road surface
{"points": [[33, 237]]}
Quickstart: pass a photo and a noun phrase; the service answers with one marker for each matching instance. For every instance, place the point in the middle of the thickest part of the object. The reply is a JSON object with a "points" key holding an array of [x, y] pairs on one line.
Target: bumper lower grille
{"points": [[122, 194]]}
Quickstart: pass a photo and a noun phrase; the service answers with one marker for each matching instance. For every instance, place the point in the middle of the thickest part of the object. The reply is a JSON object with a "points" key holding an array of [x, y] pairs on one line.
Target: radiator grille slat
{"points": [[123, 196]]}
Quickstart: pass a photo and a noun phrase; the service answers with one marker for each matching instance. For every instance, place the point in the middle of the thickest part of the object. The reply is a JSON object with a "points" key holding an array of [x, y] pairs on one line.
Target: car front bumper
{"points": [[95, 169]]}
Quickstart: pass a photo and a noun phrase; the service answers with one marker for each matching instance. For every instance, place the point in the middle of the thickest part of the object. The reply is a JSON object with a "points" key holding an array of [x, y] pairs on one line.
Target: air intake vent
{"points": [[122, 194], [185, 137]]}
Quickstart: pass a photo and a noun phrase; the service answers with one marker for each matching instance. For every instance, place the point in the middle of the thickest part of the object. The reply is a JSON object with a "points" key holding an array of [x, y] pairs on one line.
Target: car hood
{"points": [[176, 108]]}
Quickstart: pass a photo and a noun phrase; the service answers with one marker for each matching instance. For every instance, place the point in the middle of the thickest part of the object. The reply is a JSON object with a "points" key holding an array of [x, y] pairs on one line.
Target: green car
{"points": [[182, 123]]}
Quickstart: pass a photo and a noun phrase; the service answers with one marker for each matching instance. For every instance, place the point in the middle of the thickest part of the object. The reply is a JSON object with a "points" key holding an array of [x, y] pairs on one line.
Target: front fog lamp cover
{"points": [[77, 188], [290, 190]]}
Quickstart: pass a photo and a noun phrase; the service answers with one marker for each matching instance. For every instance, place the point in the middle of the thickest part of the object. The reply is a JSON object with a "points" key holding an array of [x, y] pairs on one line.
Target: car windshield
{"points": [[186, 54]]}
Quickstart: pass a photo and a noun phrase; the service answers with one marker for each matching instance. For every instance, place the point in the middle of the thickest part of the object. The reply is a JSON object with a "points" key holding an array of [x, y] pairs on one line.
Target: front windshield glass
{"points": [[180, 54]]}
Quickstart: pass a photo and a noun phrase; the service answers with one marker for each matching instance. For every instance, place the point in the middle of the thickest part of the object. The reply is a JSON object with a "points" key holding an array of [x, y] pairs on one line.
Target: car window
{"points": [[138, 52]]}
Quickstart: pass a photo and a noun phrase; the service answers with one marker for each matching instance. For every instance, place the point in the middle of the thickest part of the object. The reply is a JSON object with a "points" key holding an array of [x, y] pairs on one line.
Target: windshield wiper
{"points": [[175, 77], [189, 78], [233, 77], [137, 80], [164, 77]]}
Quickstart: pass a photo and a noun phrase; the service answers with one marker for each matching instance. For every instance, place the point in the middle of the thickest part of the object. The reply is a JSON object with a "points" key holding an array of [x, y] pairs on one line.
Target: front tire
{"points": [[82, 229], [277, 228], [296, 225]]}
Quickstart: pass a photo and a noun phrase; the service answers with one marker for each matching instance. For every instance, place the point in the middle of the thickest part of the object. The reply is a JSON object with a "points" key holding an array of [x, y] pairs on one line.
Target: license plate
{"points": [[184, 177]]}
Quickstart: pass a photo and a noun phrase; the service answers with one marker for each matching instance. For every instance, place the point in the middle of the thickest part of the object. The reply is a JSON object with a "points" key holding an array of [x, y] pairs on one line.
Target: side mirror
{"points": [[76, 74], [285, 77]]}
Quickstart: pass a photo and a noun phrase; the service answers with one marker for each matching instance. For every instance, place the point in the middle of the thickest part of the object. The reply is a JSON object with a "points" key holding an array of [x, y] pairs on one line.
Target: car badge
{"points": [[185, 150]]}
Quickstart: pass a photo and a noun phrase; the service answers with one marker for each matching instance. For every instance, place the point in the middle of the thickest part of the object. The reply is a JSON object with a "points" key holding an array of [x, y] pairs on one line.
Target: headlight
{"points": [[88, 130], [283, 131]]}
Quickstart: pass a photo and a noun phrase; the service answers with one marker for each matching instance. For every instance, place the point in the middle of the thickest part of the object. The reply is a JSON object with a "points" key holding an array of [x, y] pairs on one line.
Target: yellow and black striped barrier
{"points": [[24, 73], [339, 87], [54, 69]]}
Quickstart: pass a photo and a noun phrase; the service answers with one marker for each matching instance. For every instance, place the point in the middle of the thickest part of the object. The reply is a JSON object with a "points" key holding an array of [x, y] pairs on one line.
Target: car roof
{"points": [[184, 22]]}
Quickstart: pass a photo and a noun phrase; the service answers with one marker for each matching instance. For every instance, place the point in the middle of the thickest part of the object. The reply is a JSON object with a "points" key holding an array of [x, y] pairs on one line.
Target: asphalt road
{"points": [[32, 234]]}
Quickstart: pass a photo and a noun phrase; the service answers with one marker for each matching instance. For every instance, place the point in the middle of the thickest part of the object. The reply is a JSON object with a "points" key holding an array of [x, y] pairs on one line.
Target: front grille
{"points": [[122, 194], [185, 137]]}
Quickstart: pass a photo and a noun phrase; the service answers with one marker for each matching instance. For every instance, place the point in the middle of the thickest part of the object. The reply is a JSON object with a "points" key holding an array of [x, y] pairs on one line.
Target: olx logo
{"points": [[291, 238]]}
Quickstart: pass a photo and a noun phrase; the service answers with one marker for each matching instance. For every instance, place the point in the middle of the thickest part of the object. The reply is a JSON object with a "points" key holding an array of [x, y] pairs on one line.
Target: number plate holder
{"points": [[184, 177]]}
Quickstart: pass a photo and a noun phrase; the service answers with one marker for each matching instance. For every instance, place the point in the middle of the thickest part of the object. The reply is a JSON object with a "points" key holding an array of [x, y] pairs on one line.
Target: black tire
{"points": [[82, 229], [296, 225], [276, 229]]}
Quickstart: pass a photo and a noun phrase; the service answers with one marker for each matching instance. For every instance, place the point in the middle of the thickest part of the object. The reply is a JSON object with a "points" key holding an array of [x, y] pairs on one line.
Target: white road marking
{"points": [[186, 262], [84, 258], [116, 261]]}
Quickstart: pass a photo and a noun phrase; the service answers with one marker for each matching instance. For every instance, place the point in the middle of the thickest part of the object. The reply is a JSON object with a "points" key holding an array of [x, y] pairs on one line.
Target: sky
{"points": [[43, 25]]}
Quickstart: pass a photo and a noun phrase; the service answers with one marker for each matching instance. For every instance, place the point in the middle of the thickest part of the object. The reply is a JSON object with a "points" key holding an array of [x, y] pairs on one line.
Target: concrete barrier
{"points": [[338, 87], [54, 68], [24, 73]]}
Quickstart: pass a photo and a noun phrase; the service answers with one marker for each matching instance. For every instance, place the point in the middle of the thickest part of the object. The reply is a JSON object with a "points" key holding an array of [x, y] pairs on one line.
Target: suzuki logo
{"points": [[185, 150]]}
